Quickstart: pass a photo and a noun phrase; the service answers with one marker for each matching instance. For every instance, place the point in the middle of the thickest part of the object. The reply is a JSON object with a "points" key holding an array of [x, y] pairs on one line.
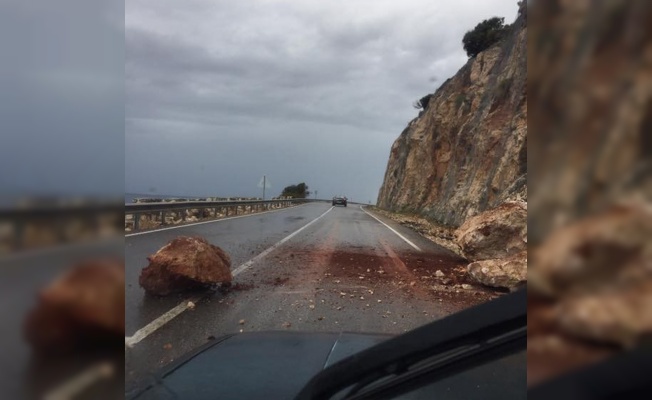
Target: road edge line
{"points": [[391, 229]]}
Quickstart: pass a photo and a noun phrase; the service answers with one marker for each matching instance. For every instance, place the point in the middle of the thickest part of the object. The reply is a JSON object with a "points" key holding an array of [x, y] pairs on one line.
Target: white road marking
{"points": [[153, 326], [392, 229], [249, 263], [150, 328], [74, 386], [208, 222]]}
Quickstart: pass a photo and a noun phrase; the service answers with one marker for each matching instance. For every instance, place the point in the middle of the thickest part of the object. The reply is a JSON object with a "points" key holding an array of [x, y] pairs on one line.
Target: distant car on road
{"points": [[337, 200]]}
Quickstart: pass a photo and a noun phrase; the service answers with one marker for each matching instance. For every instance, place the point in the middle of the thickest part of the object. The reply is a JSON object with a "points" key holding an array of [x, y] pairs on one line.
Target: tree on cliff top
{"points": [[299, 191], [422, 102], [485, 34]]}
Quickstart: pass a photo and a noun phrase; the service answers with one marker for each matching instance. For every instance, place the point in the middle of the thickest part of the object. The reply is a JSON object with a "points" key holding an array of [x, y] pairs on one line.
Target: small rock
{"points": [[439, 274], [312, 306], [167, 346], [413, 283], [320, 318], [286, 324], [191, 305], [241, 322], [466, 286], [380, 301]]}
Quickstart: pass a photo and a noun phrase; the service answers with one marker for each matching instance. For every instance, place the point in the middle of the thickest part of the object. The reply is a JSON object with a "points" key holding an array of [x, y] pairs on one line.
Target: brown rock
{"points": [[84, 306], [602, 250], [621, 316], [185, 263], [497, 233], [505, 272]]}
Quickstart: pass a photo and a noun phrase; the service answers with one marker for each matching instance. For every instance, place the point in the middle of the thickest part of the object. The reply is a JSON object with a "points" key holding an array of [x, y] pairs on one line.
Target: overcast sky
{"points": [[62, 97], [219, 93]]}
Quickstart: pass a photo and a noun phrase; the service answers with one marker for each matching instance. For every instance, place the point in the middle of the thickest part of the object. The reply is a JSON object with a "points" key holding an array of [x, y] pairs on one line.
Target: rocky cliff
{"points": [[466, 152]]}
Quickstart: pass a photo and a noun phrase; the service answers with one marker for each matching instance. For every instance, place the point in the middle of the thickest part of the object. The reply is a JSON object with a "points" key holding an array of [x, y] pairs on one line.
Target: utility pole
{"points": [[315, 195], [263, 184]]}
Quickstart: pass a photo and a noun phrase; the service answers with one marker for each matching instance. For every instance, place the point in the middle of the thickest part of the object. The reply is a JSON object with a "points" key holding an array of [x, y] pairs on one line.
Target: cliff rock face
{"points": [[467, 150]]}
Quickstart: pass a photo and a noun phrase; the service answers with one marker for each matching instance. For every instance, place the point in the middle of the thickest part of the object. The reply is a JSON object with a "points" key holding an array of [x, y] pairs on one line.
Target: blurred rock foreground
{"points": [[461, 164], [590, 207], [85, 306], [185, 263]]}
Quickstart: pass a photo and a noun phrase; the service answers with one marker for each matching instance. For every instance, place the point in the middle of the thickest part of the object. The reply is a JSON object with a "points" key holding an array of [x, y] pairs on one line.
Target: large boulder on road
{"points": [[497, 233], [86, 305], [510, 272], [185, 263]]}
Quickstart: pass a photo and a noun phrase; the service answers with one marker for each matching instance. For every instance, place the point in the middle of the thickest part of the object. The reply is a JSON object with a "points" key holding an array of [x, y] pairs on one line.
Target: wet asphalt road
{"points": [[344, 272]]}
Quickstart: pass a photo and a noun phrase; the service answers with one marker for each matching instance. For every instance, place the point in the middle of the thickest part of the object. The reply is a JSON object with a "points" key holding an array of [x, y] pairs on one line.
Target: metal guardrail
{"points": [[166, 213], [51, 211], [42, 225]]}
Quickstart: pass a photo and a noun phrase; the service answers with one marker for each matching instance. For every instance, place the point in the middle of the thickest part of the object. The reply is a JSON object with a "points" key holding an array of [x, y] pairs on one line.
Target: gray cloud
{"points": [[221, 92]]}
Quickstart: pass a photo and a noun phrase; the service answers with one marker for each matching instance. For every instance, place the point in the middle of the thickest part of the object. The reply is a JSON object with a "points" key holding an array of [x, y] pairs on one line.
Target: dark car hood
{"points": [[255, 365]]}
